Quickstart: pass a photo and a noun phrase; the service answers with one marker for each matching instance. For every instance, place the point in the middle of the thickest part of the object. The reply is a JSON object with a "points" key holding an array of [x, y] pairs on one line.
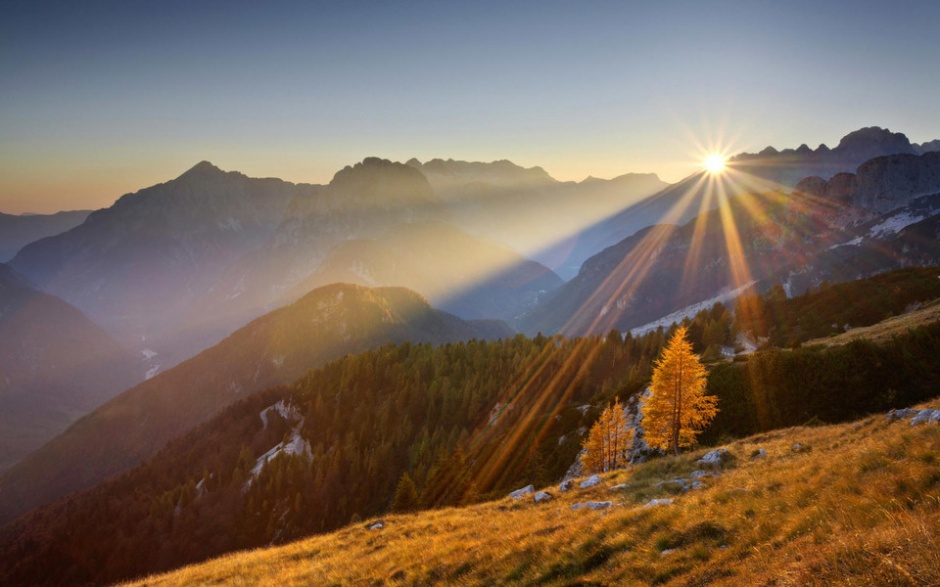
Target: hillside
{"points": [[887, 329], [326, 324], [55, 366], [457, 423], [851, 504]]}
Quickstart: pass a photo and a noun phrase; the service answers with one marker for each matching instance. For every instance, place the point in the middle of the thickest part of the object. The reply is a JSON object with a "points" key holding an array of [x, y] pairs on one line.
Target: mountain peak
{"points": [[375, 177], [201, 170], [872, 136]]}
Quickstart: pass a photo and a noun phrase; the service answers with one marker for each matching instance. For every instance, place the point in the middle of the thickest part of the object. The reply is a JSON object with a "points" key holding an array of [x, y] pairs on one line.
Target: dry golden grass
{"points": [[858, 505], [884, 330]]}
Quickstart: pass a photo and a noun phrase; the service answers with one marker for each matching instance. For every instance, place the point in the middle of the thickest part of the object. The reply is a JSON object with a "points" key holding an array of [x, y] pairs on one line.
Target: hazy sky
{"points": [[102, 98]]}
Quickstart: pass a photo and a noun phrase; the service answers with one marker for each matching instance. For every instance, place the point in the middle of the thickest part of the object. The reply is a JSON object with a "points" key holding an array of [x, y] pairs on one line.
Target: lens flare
{"points": [[715, 163]]}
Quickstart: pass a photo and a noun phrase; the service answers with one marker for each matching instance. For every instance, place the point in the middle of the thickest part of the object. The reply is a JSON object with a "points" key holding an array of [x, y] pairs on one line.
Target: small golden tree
{"points": [[608, 441], [678, 409]]}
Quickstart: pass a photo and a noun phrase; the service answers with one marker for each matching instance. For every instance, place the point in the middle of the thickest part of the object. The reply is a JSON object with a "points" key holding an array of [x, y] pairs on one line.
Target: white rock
{"points": [[697, 485], [590, 482], [566, 485], [761, 453], [543, 496], [716, 457], [701, 474], [656, 502], [522, 492], [618, 487], [377, 526]]}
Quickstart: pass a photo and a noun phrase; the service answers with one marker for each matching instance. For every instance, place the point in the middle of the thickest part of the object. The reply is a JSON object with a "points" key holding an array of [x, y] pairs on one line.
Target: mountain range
{"points": [[215, 287], [850, 226]]}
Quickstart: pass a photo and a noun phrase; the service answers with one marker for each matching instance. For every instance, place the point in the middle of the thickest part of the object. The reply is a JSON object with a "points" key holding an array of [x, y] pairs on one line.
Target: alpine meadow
{"points": [[437, 293]]}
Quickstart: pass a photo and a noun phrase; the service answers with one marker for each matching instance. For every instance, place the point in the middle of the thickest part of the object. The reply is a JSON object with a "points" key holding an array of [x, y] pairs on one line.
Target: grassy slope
{"points": [[884, 330], [859, 505]]}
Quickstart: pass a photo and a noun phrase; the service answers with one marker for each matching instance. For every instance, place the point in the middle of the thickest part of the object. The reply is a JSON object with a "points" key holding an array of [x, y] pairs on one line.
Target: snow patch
{"points": [[852, 243], [152, 372], [894, 224], [690, 311], [295, 445], [149, 354], [285, 409]]}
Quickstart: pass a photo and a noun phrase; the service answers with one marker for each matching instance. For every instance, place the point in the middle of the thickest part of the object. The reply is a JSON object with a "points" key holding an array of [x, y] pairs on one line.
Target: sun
{"points": [[715, 163]]}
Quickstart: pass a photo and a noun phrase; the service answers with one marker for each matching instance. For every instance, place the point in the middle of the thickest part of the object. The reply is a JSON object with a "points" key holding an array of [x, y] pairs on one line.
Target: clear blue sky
{"points": [[101, 98]]}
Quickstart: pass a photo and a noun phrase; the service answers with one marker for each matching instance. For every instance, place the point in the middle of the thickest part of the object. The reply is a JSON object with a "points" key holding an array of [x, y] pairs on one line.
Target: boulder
{"points": [[657, 502], [543, 496], [594, 505], [566, 485], [522, 492], [758, 454], [378, 525], [925, 416], [902, 414], [590, 482], [716, 457], [618, 487], [701, 474], [697, 485]]}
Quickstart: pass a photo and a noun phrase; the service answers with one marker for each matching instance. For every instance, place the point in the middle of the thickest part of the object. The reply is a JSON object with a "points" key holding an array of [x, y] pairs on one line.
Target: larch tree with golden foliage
{"points": [[678, 409], [608, 441]]}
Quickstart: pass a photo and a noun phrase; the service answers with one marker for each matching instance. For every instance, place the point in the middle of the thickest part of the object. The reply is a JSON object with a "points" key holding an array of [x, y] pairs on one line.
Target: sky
{"points": [[98, 99]]}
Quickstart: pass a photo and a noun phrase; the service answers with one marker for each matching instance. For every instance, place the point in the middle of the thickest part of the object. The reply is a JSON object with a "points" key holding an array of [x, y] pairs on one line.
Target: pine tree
{"points": [[608, 441], [678, 409], [406, 495]]}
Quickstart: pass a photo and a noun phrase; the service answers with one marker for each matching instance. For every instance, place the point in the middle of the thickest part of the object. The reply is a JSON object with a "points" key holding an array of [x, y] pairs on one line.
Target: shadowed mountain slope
{"points": [[137, 267], [326, 324], [55, 365]]}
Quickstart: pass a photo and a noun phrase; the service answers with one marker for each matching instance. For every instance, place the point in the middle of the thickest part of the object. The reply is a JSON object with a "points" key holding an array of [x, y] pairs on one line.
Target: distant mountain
{"points": [[18, 231], [530, 211], [362, 201], [451, 178], [789, 166], [768, 170], [847, 227], [458, 273], [55, 366], [137, 267], [326, 324]]}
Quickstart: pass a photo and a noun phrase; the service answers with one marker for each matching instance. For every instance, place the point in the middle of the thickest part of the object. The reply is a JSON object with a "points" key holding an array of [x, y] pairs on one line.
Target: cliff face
{"points": [[881, 184], [790, 166]]}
